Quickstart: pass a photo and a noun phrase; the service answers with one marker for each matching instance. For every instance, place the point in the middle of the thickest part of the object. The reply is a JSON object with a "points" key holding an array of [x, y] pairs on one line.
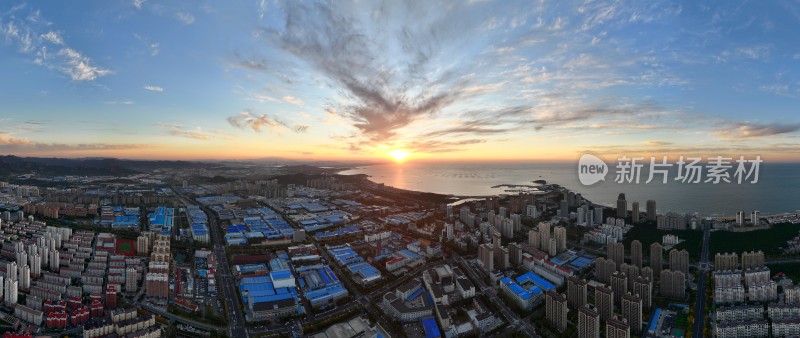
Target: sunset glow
{"points": [[509, 75], [398, 155]]}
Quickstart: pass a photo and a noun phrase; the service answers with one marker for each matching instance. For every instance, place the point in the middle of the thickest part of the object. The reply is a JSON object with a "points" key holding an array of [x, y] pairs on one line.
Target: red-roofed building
{"points": [[97, 309], [57, 320], [111, 298], [16, 335]]}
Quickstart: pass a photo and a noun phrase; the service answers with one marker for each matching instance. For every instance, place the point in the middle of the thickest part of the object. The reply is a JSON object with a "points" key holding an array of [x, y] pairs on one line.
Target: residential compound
{"points": [[745, 285], [250, 257], [69, 279]]}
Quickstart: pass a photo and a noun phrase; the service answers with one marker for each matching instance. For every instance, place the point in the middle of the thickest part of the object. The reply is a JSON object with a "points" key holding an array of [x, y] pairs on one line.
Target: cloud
{"points": [[79, 67], [438, 146], [381, 97], [656, 143], [33, 36], [138, 3], [186, 18], [53, 37], [177, 130], [9, 143], [262, 8], [154, 88], [262, 122], [755, 53], [782, 89], [122, 102], [419, 76], [153, 47], [754, 130], [292, 100]]}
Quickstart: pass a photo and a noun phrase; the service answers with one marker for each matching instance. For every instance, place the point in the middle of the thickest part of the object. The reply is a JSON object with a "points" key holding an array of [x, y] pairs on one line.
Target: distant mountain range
{"points": [[14, 165], [95, 166]]}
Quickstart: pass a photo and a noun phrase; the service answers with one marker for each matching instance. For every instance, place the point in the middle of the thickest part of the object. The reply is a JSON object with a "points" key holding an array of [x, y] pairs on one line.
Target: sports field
{"points": [[126, 247]]}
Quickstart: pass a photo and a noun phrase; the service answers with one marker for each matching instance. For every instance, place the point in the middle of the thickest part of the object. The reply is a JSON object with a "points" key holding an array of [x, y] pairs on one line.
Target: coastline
{"points": [[458, 198]]}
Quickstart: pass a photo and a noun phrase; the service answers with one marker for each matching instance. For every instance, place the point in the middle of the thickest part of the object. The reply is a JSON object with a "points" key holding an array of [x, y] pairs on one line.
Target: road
{"points": [[510, 316], [227, 284], [225, 281], [177, 318], [699, 307]]}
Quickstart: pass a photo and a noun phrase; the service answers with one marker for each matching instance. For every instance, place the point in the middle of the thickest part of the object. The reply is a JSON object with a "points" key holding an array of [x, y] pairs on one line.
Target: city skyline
{"points": [[522, 81]]}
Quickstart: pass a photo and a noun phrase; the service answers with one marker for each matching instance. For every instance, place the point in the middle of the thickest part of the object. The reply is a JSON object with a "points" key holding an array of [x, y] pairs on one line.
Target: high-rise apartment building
{"points": [[636, 253], [588, 322], [616, 253], [604, 302], [556, 311], [651, 210], [576, 292], [679, 261], [632, 312], [622, 206], [643, 288], [656, 258]]}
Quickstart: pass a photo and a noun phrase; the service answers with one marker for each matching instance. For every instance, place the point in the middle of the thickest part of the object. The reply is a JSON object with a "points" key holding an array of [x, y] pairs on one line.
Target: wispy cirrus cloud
{"points": [[263, 122], [53, 37], [177, 130], [156, 89], [121, 102], [186, 18], [152, 47], [292, 100], [79, 67], [197, 133], [33, 36], [10, 143], [380, 99], [401, 77], [405, 75], [657, 143], [754, 130]]}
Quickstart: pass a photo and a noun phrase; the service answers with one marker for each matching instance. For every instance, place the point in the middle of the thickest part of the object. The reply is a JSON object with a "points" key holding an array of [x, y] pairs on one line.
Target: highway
{"points": [[225, 283], [699, 307]]}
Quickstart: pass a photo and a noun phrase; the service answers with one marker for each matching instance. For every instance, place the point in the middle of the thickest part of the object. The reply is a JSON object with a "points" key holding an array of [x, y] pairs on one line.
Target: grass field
{"points": [[769, 240], [792, 270], [126, 247]]}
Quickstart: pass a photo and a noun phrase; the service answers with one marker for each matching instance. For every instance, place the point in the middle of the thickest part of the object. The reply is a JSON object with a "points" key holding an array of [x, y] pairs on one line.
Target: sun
{"points": [[399, 155]]}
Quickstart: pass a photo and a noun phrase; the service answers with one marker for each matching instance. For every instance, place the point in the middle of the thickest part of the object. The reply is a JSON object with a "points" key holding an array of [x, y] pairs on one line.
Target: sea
{"points": [[777, 190]]}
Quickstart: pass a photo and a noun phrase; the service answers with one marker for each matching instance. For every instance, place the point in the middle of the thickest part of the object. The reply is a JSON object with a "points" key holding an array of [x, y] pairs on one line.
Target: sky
{"points": [[440, 80]]}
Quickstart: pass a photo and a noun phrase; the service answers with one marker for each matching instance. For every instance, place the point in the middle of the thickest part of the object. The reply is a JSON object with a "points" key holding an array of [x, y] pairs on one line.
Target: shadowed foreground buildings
{"points": [[673, 284], [576, 292], [636, 253], [632, 312], [617, 328], [656, 258], [588, 322], [604, 302], [556, 310]]}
